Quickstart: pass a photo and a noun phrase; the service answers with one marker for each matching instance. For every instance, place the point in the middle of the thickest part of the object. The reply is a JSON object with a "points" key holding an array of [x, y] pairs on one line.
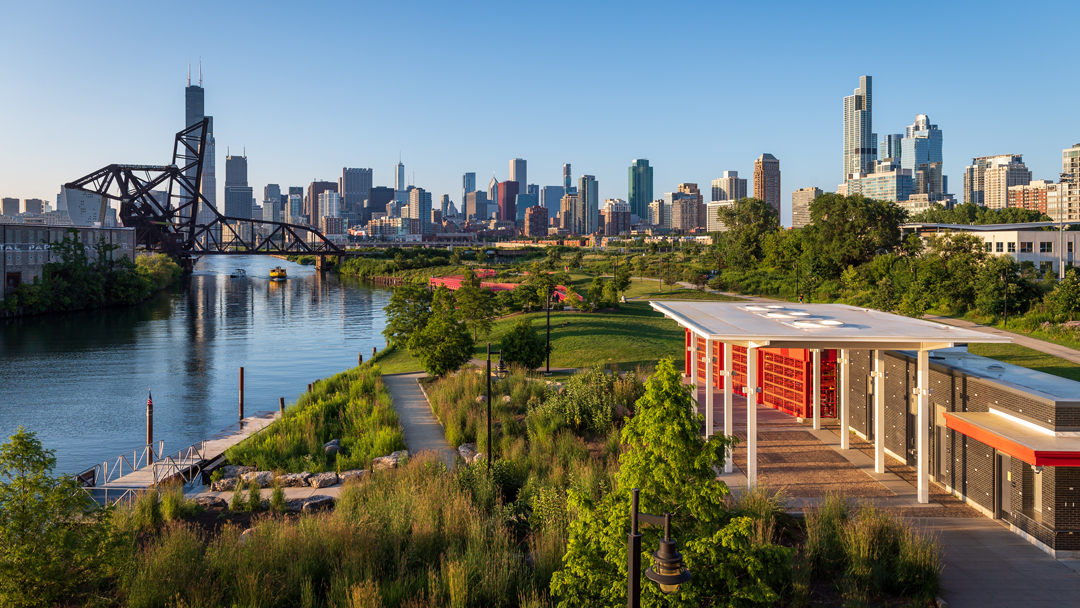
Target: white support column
{"points": [[922, 433], [817, 388], [709, 389], [751, 417], [879, 411], [844, 400], [695, 356], [729, 400]]}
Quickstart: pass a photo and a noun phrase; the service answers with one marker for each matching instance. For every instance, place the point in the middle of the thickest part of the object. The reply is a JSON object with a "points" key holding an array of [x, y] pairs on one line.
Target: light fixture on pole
{"points": [[551, 294], [667, 570], [500, 370]]}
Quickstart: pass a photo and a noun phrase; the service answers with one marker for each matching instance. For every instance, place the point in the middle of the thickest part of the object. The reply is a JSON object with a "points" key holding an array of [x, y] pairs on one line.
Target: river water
{"points": [[80, 380]]}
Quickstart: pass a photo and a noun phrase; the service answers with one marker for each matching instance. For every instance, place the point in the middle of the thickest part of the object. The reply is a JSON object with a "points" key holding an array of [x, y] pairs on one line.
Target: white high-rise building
{"points": [[329, 204], [860, 142], [518, 173], [800, 205], [730, 187]]}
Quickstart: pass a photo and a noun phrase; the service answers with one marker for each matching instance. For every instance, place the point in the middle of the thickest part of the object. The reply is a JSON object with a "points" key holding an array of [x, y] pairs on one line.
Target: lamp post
{"points": [[1063, 199], [667, 570], [551, 293], [501, 369], [1005, 277]]}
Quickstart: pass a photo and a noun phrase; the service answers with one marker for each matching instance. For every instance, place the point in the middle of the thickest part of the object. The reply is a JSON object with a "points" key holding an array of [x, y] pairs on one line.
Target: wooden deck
{"points": [[183, 461]]}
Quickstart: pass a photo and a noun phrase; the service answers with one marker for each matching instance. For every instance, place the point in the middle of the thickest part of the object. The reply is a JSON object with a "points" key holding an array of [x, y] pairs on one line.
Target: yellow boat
{"points": [[278, 274]]}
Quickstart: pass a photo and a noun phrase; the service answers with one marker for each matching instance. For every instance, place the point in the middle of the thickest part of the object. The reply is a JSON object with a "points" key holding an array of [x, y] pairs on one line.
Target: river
{"points": [[80, 380]]}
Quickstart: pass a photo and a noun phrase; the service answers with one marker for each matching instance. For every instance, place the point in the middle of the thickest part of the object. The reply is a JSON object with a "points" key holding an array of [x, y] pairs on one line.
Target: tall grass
{"points": [[409, 538], [353, 406], [870, 552]]}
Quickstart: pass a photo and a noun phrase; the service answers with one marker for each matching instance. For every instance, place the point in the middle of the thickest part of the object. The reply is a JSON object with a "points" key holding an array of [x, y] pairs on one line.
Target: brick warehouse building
{"points": [[26, 250], [1004, 439]]}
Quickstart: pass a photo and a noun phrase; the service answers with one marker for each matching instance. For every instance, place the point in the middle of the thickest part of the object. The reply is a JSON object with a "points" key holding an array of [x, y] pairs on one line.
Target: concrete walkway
{"points": [[422, 428], [1049, 348], [986, 566]]}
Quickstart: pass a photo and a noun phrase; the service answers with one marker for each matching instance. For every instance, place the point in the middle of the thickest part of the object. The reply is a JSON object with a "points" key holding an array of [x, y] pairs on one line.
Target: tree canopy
{"points": [[970, 213], [443, 344], [851, 230], [748, 220], [408, 311]]}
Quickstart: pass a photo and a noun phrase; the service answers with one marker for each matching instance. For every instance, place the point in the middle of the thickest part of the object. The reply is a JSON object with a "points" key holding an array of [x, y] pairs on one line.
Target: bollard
{"points": [[372, 352], [309, 387], [360, 359], [241, 393], [149, 418], [281, 405]]}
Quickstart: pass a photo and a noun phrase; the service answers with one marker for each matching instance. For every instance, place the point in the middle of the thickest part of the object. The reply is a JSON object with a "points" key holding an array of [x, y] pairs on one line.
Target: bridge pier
{"points": [[187, 265]]}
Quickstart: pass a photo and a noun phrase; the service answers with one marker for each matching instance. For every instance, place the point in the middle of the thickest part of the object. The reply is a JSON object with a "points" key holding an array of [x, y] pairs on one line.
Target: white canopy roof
{"points": [[829, 326]]}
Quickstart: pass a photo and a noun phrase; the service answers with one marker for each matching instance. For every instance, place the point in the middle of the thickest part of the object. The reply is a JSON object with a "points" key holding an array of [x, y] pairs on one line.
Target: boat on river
{"points": [[239, 273], [278, 274]]}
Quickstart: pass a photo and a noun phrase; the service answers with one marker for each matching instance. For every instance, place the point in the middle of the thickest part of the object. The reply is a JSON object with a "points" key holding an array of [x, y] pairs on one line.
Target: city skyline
{"points": [[792, 113]]}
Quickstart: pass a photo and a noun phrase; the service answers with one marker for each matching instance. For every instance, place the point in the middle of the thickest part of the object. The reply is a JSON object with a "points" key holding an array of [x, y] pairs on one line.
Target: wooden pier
{"points": [[390, 281], [185, 465]]}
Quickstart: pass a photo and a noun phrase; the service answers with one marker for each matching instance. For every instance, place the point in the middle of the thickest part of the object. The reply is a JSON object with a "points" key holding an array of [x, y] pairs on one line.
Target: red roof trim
{"points": [[1012, 448]]}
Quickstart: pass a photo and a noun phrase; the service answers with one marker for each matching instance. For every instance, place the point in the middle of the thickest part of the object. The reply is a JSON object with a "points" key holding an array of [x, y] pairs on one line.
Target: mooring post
{"points": [[281, 405], [372, 352], [149, 419], [360, 358], [309, 387], [241, 394]]}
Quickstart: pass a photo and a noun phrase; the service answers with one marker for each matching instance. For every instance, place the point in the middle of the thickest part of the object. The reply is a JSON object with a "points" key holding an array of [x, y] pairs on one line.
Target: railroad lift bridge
{"points": [[165, 206]]}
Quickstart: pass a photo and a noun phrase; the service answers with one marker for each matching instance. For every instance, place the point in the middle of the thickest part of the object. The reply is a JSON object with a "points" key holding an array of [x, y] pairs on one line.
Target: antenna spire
{"points": [[200, 71], [189, 72]]}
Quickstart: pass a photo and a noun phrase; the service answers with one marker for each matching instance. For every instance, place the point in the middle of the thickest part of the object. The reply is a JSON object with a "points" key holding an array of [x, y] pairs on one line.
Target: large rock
{"points": [[332, 442], [332, 450], [234, 470], [480, 457], [264, 478], [245, 536], [392, 461], [355, 475], [294, 505], [294, 480], [467, 452], [506, 399], [317, 502], [323, 480], [210, 502], [481, 399], [224, 485]]}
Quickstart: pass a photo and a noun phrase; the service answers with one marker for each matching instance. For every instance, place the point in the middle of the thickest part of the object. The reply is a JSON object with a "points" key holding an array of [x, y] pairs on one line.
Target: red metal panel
{"points": [[1028, 455]]}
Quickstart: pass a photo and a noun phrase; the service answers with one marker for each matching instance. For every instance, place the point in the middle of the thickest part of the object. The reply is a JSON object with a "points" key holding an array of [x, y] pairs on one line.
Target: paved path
{"points": [[1049, 348], [986, 566], [422, 428]]}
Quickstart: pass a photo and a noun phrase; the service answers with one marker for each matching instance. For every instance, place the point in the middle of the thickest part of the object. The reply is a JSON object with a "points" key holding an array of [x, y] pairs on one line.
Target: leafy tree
{"points": [[481, 256], [951, 267], [507, 301], [54, 540], [554, 258], [577, 259], [443, 344], [748, 220], [641, 264], [477, 304], [851, 230], [523, 345], [673, 465], [407, 312], [1065, 299], [611, 294], [596, 293], [970, 213]]}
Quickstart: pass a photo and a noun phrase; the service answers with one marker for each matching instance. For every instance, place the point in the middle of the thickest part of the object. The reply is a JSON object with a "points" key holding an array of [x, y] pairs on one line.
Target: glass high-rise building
{"points": [[468, 184], [640, 188], [589, 199], [551, 199], [860, 142], [890, 146], [921, 154], [194, 111], [518, 173], [567, 182]]}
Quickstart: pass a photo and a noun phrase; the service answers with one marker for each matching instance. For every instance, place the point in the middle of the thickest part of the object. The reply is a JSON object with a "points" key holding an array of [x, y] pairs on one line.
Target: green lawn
{"points": [[634, 334], [1029, 358]]}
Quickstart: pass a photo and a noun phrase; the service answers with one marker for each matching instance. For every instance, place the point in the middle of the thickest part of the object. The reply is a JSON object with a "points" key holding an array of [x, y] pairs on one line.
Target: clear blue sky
{"points": [[697, 88]]}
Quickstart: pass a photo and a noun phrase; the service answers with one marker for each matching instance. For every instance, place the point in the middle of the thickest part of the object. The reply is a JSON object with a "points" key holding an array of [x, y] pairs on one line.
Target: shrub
{"points": [[585, 404], [523, 345]]}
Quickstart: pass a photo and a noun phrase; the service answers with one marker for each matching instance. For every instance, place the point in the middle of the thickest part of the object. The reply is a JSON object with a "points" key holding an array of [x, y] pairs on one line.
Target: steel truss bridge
{"points": [[165, 206]]}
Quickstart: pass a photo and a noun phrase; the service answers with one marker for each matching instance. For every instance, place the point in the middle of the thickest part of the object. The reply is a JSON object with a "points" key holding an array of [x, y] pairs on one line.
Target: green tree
{"points": [[673, 465], [748, 220], [622, 277], [851, 230], [407, 312], [54, 540], [577, 259], [641, 264], [443, 344], [951, 268], [481, 256], [523, 345], [1065, 299], [554, 258], [476, 304]]}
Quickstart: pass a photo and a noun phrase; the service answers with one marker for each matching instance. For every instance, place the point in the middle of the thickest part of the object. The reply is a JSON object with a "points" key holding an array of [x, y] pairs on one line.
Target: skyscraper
{"points": [[589, 201], [194, 111], [507, 192], [420, 209], [468, 184], [1070, 178], [401, 192], [570, 214], [730, 187], [444, 205], [921, 154], [551, 198], [860, 142], [238, 195], [890, 146], [330, 203], [476, 206], [1009, 170], [272, 202], [697, 206], [9, 207], [311, 201], [493, 190], [354, 186], [567, 181], [800, 205], [767, 181], [518, 174], [640, 188]]}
